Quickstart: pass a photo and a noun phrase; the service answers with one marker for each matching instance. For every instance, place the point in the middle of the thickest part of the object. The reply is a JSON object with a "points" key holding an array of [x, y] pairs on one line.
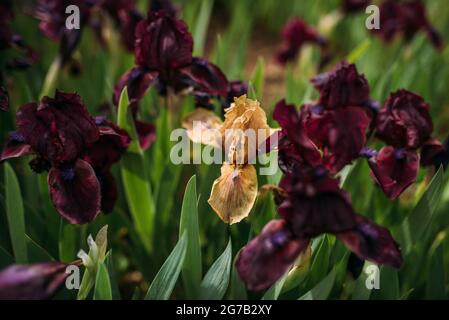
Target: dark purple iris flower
{"points": [[32, 282], [311, 204], [405, 18], [77, 150], [4, 99], [295, 34], [404, 123]]}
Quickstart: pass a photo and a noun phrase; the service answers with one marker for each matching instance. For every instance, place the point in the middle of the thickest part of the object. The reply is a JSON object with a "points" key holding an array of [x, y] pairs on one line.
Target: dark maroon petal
{"points": [[108, 190], [109, 148], [58, 129], [32, 282], [69, 42], [146, 132], [163, 43], [4, 99], [340, 134], [342, 87], [137, 81], [315, 204], [404, 121], [235, 89], [430, 151], [301, 146], [394, 170], [15, 147], [203, 76], [75, 192], [350, 6], [268, 256], [372, 242], [295, 34]]}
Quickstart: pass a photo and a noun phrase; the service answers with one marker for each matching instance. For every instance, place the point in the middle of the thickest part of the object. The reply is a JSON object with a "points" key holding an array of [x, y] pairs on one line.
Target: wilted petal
{"points": [[137, 81], [372, 242], [75, 192], [4, 99], [234, 192], [203, 127], [146, 132], [268, 256], [15, 147], [163, 42], [404, 121], [394, 170], [342, 87], [203, 76], [32, 282]]}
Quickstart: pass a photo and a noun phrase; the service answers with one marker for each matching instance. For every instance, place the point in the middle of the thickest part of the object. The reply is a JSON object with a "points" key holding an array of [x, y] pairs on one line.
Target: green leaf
{"points": [[275, 290], [87, 283], [355, 54], [15, 215], [69, 240], [389, 285], [112, 277], [361, 292], [192, 269], [165, 280], [137, 187], [103, 289], [202, 23], [322, 290], [258, 78], [216, 280], [436, 277], [416, 222], [238, 289]]}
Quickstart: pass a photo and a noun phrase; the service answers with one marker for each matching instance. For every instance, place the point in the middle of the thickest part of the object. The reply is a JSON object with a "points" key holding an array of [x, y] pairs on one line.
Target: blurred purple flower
{"points": [[295, 34], [351, 6], [32, 282], [405, 18], [434, 153], [4, 99]]}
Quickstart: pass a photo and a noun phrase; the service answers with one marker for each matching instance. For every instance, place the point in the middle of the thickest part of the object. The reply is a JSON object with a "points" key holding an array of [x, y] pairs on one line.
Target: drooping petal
{"points": [[109, 148], [203, 127], [342, 87], [75, 192], [146, 132], [163, 43], [315, 204], [372, 242], [394, 170], [137, 81], [234, 192], [15, 147], [4, 99], [404, 121], [268, 256], [58, 129], [435, 153], [32, 282], [203, 76]]}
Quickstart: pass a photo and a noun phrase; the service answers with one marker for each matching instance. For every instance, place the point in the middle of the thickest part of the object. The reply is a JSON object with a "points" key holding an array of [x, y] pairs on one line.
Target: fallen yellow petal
{"points": [[234, 192]]}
